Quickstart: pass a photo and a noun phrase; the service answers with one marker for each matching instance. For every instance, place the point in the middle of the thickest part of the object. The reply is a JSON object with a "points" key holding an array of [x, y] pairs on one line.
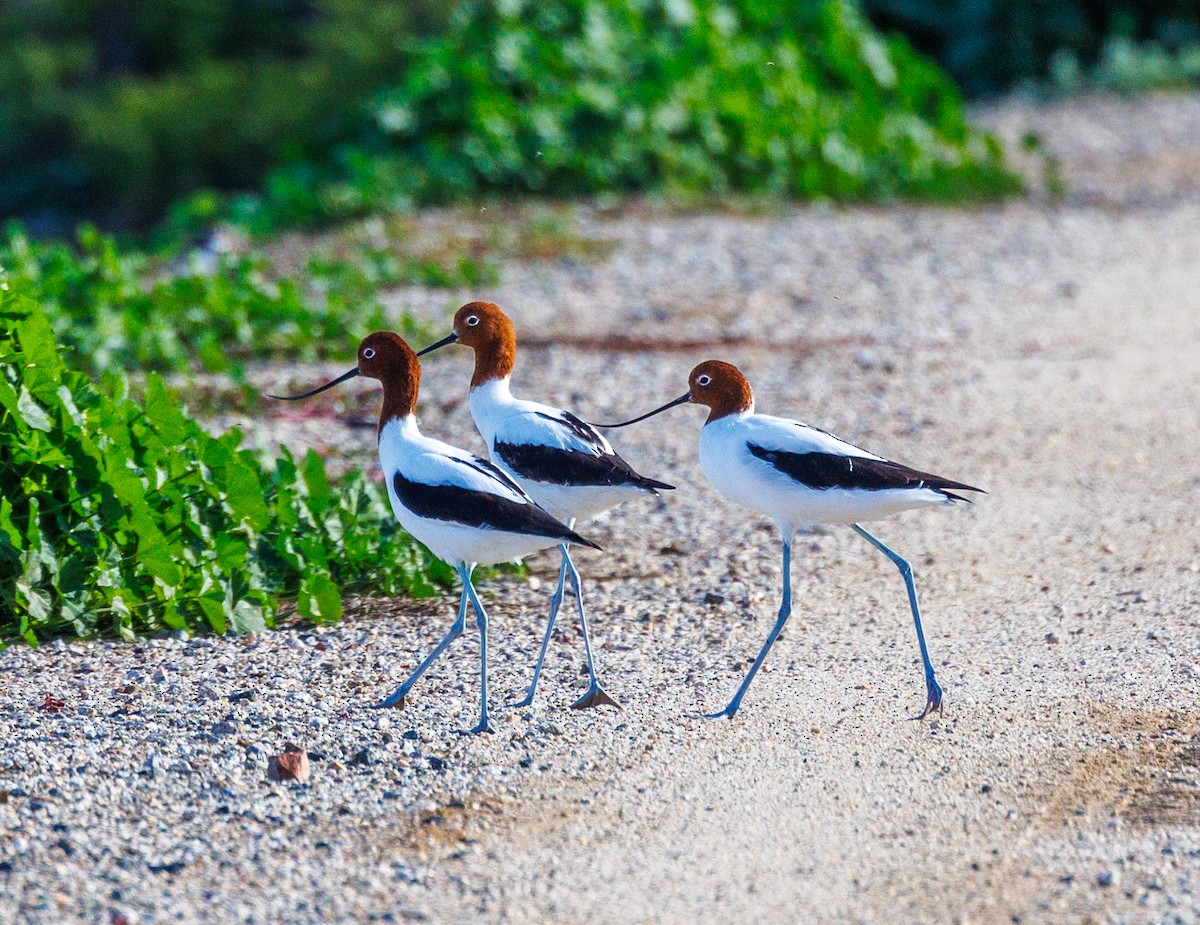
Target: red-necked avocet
{"points": [[463, 508], [564, 464], [801, 476]]}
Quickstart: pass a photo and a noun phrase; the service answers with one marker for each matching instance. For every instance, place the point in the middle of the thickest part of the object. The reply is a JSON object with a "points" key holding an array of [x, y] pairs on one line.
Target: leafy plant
{"points": [[120, 307], [570, 97], [121, 517]]}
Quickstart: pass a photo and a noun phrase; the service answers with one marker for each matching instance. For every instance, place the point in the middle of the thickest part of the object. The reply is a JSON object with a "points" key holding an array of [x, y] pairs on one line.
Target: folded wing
{"points": [[556, 447]]}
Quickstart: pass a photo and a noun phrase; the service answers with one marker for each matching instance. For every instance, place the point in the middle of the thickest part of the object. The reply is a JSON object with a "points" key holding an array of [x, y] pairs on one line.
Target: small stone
{"points": [[362, 758], [712, 599], [291, 765], [1052, 639]]}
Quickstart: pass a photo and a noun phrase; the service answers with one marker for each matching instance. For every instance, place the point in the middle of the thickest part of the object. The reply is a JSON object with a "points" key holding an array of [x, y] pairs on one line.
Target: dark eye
{"points": [[369, 353], [473, 320], [704, 380]]}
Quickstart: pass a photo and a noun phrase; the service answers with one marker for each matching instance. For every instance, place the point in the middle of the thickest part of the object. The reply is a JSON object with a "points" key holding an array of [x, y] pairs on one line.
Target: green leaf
{"points": [[249, 618], [319, 599], [315, 480], [32, 412]]}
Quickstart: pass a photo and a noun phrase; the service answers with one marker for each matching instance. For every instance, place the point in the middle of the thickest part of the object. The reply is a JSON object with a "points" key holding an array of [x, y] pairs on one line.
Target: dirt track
{"points": [[1049, 352]]}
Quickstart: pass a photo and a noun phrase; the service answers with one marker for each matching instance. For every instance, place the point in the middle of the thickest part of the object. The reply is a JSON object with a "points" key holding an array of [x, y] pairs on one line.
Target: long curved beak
{"points": [[448, 339], [682, 399], [328, 385]]}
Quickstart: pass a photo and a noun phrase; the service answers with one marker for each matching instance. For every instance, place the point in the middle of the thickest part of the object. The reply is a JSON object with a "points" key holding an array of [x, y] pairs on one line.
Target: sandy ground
{"points": [[1046, 351]]}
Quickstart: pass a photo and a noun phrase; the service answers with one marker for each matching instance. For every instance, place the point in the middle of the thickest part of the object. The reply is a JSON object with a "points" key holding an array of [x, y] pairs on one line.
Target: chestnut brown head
{"points": [[386, 357], [722, 387], [486, 330]]}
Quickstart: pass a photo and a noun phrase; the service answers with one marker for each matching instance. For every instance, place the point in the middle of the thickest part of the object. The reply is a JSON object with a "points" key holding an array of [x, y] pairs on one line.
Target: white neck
{"points": [[401, 427], [396, 439], [486, 402], [494, 390]]}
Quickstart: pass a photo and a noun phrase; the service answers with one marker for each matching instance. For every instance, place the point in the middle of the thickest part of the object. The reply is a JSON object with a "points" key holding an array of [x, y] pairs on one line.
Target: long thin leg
{"points": [[785, 611], [933, 690], [595, 696], [555, 603], [482, 621], [460, 624]]}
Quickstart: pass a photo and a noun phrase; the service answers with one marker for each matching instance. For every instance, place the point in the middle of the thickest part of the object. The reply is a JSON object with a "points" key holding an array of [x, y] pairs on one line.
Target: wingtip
{"points": [[577, 540]]}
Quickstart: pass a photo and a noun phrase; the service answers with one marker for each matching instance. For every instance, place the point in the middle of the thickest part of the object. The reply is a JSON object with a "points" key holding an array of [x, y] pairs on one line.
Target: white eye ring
{"points": [[704, 380], [369, 353], [473, 320]]}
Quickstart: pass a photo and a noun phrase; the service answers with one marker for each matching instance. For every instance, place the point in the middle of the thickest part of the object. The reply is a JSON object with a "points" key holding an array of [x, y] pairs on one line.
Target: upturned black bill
{"points": [[329, 385], [448, 339], [649, 414]]}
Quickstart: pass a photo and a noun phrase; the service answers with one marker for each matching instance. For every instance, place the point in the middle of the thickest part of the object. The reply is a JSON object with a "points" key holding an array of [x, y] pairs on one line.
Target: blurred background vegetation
{"points": [[989, 46], [113, 110]]}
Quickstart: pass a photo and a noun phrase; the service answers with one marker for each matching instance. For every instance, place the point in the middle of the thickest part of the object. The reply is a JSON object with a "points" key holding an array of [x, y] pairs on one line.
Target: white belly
{"points": [[454, 543]]}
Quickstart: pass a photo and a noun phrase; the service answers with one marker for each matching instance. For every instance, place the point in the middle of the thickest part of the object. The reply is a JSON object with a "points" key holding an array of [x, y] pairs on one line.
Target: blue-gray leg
{"points": [[785, 611], [460, 624], [482, 621], [555, 603], [933, 690], [595, 696]]}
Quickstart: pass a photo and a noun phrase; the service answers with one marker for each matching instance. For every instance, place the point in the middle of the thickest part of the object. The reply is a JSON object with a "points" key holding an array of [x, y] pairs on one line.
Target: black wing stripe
{"points": [[471, 508], [490, 469], [581, 429], [556, 466], [821, 471]]}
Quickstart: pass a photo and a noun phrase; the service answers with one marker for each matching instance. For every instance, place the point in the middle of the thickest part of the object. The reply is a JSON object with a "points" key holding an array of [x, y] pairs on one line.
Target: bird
{"points": [[801, 476], [464, 509], [561, 461]]}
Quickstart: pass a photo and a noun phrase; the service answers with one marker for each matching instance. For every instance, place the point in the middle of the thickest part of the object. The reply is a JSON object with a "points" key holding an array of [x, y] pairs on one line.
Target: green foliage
{"points": [[120, 517], [118, 307], [1128, 67], [113, 110], [989, 45], [569, 97]]}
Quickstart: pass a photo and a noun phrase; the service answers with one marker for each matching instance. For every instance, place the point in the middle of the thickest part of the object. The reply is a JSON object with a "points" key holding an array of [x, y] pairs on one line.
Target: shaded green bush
{"points": [[1127, 67], [123, 517], [111, 111], [569, 97], [990, 45]]}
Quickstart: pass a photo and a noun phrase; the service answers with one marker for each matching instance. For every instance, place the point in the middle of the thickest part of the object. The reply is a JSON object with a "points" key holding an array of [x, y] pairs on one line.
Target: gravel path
{"points": [[1047, 351]]}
